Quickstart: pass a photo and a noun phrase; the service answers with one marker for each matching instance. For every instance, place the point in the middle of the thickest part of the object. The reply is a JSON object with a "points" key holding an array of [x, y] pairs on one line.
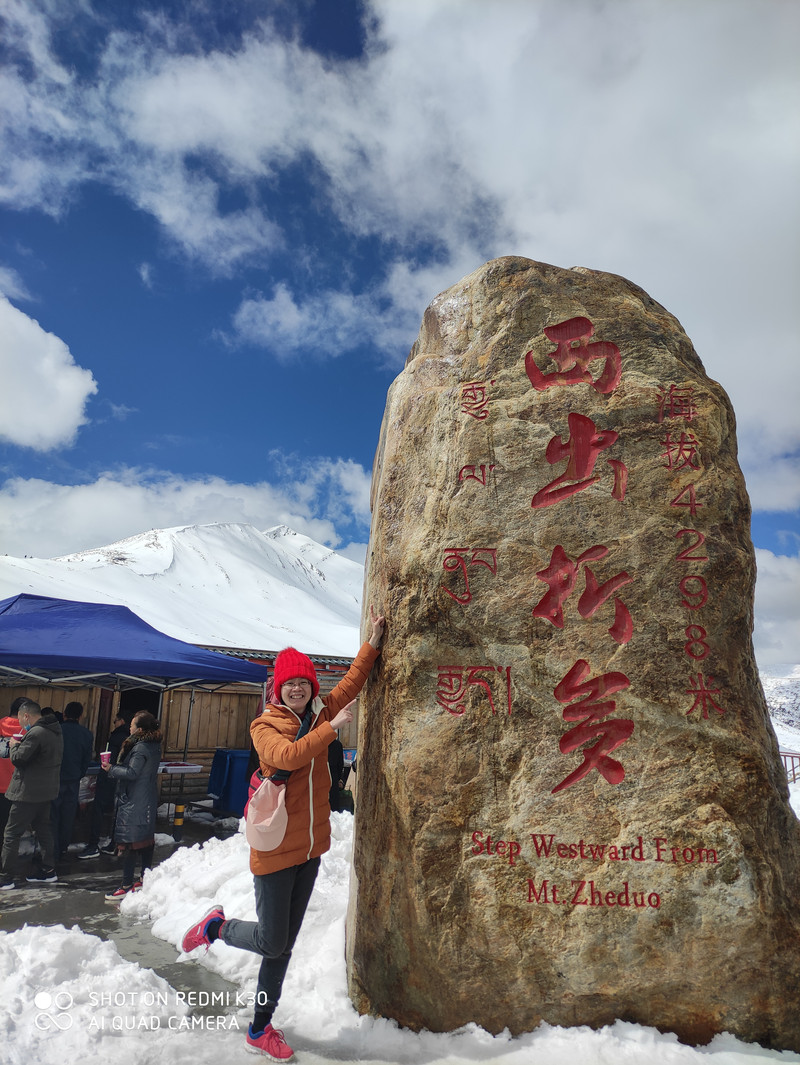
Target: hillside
{"points": [[225, 585], [229, 585]]}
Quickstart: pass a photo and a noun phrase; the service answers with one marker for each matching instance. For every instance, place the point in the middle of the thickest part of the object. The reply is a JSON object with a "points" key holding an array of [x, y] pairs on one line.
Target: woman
{"points": [[103, 805], [284, 877], [136, 777]]}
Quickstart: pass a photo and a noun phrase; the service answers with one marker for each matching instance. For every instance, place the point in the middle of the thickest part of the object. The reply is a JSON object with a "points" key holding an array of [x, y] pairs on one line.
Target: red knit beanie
{"points": [[291, 663]]}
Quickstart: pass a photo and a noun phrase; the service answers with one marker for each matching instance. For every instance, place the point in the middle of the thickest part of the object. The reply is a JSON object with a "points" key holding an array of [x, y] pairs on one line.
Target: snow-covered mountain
{"points": [[782, 690], [229, 585], [224, 585]]}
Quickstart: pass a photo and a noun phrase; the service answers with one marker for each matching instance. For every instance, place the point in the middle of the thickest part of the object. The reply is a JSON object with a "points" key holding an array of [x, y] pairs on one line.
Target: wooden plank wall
{"points": [[47, 695], [218, 719]]}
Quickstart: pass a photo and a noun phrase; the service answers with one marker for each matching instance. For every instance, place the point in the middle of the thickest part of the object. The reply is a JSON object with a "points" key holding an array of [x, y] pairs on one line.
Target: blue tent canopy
{"points": [[50, 640]]}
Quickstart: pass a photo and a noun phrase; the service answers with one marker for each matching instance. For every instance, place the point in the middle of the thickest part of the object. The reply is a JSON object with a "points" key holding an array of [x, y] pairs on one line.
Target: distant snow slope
{"points": [[226, 585], [782, 690], [229, 585]]}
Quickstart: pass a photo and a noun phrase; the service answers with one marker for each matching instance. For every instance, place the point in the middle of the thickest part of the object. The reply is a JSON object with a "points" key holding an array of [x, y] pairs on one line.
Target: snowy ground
{"points": [[69, 996]]}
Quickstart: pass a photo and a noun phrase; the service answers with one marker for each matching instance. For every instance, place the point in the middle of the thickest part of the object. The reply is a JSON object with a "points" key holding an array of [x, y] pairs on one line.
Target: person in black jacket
{"points": [[78, 743], [336, 766], [34, 785], [103, 805], [136, 778]]}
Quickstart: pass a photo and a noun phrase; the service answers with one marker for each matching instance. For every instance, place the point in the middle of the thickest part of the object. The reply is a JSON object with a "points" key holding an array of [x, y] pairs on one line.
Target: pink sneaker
{"points": [[198, 933], [270, 1043]]}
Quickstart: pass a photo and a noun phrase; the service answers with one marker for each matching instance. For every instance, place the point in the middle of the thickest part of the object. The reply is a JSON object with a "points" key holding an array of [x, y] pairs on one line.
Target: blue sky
{"points": [[220, 225]]}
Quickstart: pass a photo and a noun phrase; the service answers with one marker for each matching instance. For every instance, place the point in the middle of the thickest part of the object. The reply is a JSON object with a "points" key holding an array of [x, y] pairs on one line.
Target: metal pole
{"points": [[188, 726], [180, 807]]}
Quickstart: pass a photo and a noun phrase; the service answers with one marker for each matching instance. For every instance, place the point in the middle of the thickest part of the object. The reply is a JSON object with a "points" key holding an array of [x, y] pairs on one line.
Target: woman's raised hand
{"points": [[378, 625]]}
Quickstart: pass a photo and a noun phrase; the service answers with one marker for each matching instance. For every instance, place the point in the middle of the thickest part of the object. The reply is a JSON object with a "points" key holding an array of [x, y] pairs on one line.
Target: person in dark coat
{"points": [[37, 763], [105, 790], [336, 766], [136, 778], [78, 742]]}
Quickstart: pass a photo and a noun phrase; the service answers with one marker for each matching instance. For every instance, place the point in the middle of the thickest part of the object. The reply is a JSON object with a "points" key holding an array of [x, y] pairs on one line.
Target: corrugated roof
{"points": [[270, 656]]}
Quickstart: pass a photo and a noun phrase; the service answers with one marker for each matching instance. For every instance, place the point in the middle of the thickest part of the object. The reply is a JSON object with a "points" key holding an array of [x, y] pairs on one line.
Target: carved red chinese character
{"points": [[676, 403], [681, 453], [581, 449], [452, 686], [703, 695], [561, 575], [455, 559], [592, 713], [573, 355], [475, 400]]}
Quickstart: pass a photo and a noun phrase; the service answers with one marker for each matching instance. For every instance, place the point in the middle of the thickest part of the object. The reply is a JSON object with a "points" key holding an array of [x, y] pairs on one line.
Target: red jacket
{"points": [[9, 726], [308, 832]]}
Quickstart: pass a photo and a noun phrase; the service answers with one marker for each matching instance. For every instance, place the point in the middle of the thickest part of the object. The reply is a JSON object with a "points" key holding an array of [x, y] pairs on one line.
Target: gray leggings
{"points": [[281, 902]]}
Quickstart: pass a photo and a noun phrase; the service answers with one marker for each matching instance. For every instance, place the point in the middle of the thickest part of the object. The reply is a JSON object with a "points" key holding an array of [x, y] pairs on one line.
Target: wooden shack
{"points": [[195, 722]]}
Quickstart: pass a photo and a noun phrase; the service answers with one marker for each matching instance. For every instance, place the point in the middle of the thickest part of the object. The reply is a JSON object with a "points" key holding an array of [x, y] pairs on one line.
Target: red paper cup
{"points": [[105, 757]]}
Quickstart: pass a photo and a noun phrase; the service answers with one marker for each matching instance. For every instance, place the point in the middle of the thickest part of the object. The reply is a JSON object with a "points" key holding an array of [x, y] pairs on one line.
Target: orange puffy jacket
{"points": [[308, 832]]}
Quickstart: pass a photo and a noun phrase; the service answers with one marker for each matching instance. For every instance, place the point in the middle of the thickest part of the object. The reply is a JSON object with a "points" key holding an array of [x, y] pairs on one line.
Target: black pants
{"points": [[145, 855], [22, 816], [102, 809], [64, 810], [281, 902], [5, 810]]}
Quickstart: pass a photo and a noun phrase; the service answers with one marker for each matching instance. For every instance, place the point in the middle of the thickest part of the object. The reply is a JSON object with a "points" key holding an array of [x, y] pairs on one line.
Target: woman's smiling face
{"points": [[295, 693]]}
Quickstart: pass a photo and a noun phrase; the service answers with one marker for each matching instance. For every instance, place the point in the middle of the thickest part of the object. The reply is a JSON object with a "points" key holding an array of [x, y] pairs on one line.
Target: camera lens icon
{"points": [[53, 1013]]}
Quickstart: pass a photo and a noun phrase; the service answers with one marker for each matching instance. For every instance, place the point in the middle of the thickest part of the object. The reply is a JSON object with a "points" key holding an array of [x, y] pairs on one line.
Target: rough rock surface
{"points": [[571, 805]]}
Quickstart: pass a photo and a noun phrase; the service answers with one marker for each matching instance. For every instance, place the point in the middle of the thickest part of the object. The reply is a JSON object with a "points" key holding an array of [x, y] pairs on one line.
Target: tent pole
{"points": [[177, 823], [188, 726]]}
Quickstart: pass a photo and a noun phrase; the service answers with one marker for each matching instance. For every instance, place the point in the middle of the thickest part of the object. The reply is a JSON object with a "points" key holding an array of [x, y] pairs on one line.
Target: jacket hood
{"points": [[50, 722], [138, 737]]}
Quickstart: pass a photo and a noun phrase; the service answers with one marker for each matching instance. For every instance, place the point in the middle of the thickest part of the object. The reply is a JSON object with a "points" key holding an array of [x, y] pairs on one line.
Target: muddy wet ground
{"points": [[78, 899]]}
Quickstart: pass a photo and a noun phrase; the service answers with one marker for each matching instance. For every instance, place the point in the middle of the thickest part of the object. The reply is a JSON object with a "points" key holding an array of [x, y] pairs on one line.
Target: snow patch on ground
{"points": [[53, 982]]}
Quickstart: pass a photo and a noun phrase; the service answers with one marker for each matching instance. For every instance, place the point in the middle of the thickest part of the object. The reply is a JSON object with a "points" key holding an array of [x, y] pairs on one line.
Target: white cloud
{"points": [[44, 125], [650, 138], [187, 206], [331, 322], [340, 487], [251, 108], [327, 323], [355, 552], [773, 479], [44, 392], [28, 29], [12, 285], [44, 519], [121, 411], [777, 627]]}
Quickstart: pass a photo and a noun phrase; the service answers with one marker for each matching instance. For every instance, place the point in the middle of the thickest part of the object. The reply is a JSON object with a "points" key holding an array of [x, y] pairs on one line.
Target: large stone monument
{"points": [[571, 804]]}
